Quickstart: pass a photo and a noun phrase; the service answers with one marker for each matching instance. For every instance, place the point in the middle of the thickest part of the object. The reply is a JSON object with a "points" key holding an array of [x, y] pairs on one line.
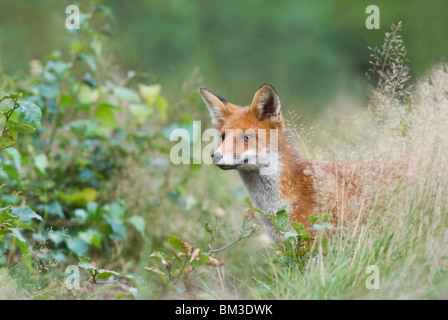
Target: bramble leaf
{"points": [[176, 243]]}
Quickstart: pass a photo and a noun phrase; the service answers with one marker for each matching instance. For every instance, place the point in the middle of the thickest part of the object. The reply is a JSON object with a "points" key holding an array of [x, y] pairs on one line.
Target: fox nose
{"points": [[216, 157]]}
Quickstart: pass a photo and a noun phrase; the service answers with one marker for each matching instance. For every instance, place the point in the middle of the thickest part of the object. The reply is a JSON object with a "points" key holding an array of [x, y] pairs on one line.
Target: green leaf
{"points": [[176, 243], [208, 228], [13, 173], [115, 215], [140, 112], [139, 223], [161, 255], [77, 245], [91, 236], [300, 229], [261, 212], [116, 210], [88, 95], [79, 198], [4, 231], [55, 209], [320, 217], [162, 108], [29, 115], [14, 154], [24, 248], [178, 259], [89, 59], [149, 93], [6, 217], [157, 272], [282, 217], [321, 226], [8, 138], [56, 237], [200, 260], [87, 263], [5, 210], [287, 244], [19, 127], [9, 219], [96, 46], [325, 245], [276, 225], [75, 46], [289, 234], [17, 223], [80, 214], [12, 96], [92, 209], [59, 67], [118, 229], [127, 94], [105, 114], [247, 227], [41, 162], [25, 213], [105, 274]]}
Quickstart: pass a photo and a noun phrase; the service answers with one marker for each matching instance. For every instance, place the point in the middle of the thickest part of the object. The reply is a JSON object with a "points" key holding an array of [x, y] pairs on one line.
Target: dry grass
{"points": [[403, 233]]}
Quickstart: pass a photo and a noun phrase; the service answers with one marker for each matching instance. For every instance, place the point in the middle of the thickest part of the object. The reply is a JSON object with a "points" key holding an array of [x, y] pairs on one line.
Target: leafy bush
{"points": [[89, 123], [297, 244], [180, 263]]}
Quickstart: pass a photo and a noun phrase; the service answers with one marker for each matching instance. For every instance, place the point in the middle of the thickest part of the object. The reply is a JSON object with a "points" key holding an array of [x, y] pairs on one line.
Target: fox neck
{"points": [[265, 189], [264, 193]]}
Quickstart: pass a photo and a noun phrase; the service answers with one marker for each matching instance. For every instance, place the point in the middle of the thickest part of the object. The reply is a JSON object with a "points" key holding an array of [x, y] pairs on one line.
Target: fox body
{"points": [[255, 144]]}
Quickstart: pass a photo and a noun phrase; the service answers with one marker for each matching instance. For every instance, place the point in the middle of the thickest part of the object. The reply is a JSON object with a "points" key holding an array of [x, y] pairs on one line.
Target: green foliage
{"points": [[85, 129], [18, 117], [296, 243], [180, 263], [110, 277], [99, 274], [12, 221]]}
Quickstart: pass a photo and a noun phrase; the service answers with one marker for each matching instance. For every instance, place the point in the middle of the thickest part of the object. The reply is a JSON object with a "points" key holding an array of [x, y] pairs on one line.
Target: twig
{"points": [[226, 246]]}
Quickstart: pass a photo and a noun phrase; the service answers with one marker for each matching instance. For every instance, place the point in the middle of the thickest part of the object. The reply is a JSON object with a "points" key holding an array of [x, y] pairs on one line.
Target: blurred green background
{"points": [[309, 50], [97, 171]]}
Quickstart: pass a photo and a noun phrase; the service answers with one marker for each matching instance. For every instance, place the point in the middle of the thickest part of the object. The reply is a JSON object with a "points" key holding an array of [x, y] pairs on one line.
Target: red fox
{"points": [[302, 186]]}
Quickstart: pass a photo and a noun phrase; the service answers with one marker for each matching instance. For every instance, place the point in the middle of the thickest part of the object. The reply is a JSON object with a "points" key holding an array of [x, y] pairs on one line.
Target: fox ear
{"points": [[266, 104], [215, 105]]}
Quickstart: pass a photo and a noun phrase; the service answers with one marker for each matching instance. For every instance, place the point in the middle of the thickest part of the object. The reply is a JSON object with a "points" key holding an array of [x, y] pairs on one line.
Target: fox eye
{"points": [[246, 137], [223, 136]]}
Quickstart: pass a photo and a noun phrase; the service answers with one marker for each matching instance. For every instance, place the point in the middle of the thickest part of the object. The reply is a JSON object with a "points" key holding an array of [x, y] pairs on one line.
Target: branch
{"points": [[226, 246]]}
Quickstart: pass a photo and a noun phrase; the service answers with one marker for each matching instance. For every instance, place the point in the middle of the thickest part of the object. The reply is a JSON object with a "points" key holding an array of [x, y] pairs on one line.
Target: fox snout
{"points": [[226, 162], [216, 157]]}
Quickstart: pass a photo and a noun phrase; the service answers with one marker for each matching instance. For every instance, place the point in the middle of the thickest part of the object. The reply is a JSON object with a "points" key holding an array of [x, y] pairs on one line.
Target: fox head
{"points": [[249, 135]]}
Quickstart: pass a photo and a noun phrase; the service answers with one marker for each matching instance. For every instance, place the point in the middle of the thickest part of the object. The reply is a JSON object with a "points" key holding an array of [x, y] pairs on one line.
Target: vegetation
{"points": [[86, 182]]}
